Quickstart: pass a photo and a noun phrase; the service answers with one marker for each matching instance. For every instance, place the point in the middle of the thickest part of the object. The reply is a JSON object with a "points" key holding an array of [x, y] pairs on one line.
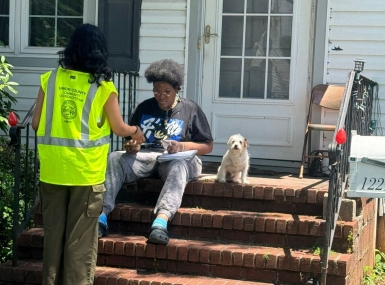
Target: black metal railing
{"points": [[25, 182], [359, 111], [125, 83], [26, 172]]}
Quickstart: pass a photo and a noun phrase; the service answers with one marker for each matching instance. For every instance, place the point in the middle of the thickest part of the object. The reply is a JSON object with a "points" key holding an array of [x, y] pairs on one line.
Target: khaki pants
{"points": [[70, 218]]}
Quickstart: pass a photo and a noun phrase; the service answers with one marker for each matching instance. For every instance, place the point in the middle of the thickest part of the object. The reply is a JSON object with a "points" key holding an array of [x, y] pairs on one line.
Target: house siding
{"points": [[162, 35], [358, 30]]}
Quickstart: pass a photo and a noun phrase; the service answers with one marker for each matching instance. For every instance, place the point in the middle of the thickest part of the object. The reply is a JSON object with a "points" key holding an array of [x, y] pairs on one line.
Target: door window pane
{"points": [[256, 49], [257, 6], [233, 6], [256, 35], [278, 79], [232, 36], [4, 22], [280, 36], [282, 6], [230, 82], [254, 78], [53, 21]]}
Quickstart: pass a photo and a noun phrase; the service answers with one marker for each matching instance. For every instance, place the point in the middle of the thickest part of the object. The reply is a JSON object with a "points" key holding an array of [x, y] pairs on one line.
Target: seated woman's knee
{"points": [[178, 163], [114, 155]]}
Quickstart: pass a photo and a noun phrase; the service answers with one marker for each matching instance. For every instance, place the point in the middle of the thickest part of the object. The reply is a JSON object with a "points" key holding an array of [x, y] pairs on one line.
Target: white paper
{"points": [[166, 143], [188, 154]]}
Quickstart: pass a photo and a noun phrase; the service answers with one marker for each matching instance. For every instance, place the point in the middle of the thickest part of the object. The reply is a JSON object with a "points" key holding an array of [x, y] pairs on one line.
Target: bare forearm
{"points": [[123, 130], [38, 108], [118, 126], [202, 148]]}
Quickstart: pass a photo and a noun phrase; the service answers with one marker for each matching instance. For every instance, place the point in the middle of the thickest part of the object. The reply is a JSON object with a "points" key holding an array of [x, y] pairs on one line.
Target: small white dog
{"points": [[235, 162]]}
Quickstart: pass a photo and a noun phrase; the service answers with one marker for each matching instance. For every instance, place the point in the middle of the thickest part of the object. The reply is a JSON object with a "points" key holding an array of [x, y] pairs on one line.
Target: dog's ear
{"points": [[230, 140], [246, 142]]}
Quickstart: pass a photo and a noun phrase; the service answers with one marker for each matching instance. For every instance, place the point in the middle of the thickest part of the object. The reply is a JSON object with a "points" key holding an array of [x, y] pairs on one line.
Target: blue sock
{"points": [[103, 219], [159, 222]]}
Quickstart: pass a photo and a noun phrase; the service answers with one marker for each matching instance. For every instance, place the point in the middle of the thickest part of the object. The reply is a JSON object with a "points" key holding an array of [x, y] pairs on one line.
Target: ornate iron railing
{"points": [[359, 111], [26, 172]]}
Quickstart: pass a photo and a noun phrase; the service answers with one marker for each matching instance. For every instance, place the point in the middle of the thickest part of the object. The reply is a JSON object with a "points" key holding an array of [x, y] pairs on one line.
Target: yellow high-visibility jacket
{"points": [[73, 134]]}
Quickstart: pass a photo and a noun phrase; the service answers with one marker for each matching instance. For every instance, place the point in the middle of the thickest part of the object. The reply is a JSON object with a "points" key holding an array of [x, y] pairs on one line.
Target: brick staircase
{"points": [[266, 232]]}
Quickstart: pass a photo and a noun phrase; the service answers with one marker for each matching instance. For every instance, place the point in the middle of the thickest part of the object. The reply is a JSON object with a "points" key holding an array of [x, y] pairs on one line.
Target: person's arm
{"points": [[111, 107], [38, 108], [202, 148], [201, 140]]}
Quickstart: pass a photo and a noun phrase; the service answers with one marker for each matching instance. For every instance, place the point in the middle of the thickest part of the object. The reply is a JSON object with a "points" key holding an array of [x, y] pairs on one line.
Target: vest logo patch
{"points": [[73, 77], [69, 110]]}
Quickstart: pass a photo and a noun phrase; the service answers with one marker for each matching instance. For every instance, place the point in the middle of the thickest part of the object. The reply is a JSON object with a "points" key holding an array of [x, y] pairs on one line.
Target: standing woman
{"points": [[75, 111]]}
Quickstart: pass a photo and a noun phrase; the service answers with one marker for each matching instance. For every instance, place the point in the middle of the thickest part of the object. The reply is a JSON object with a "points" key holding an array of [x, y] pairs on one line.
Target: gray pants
{"points": [[124, 167]]}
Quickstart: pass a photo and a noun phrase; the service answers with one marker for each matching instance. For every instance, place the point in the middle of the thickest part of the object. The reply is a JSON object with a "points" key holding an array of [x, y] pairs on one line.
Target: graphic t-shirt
{"points": [[156, 129], [186, 122]]}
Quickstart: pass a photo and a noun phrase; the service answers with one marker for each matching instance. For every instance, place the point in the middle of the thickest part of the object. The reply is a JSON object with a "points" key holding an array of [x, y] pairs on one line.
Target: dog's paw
{"points": [[245, 181], [221, 177]]}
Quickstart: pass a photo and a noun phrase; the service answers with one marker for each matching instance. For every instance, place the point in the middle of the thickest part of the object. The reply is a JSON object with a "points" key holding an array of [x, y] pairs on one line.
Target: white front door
{"points": [[256, 73]]}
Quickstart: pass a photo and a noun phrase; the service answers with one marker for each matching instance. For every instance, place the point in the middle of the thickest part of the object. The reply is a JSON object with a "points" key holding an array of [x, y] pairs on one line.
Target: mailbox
{"points": [[367, 166]]}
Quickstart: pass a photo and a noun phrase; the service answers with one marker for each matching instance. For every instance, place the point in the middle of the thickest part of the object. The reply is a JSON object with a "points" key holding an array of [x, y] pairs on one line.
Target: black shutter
{"points": [[120, 22]]}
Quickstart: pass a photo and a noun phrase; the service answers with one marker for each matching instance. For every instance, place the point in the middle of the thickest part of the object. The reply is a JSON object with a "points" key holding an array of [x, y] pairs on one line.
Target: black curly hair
{"points": [[166, 70], [87, 52]]}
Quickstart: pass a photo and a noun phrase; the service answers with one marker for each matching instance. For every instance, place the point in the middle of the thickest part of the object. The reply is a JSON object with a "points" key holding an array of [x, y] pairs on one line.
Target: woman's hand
{"points": [[138, 137], [131, 146], [175, 147]]}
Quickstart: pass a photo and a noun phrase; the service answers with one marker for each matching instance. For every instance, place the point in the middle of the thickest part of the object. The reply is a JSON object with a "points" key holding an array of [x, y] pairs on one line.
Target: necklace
{"points": [[166, 118], [174, 104]]}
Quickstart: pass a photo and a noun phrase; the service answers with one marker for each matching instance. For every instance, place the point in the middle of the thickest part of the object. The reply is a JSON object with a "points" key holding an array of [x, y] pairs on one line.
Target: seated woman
{"points": [[165, 116]]}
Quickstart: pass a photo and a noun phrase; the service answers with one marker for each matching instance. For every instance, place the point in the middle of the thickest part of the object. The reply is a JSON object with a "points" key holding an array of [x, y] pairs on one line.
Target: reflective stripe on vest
{"points": [[84, 142]]}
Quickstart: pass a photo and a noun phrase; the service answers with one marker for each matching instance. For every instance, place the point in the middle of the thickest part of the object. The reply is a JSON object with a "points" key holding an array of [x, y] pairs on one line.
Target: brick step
{"points": [[224, 226], [232, 261], [209, 194], [30, 272]]}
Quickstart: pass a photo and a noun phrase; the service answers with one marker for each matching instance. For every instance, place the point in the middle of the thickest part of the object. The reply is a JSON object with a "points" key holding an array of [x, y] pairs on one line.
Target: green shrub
{"points": [[6, 160], [6, 192], [375, 275]]}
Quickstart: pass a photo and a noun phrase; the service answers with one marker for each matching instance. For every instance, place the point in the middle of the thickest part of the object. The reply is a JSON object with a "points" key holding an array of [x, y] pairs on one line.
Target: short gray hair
{"points": [[167, 70]]}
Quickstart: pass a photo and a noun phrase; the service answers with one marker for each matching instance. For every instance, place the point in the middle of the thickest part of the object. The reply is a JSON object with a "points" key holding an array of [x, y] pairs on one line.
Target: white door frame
{"points": [[289, 145]]}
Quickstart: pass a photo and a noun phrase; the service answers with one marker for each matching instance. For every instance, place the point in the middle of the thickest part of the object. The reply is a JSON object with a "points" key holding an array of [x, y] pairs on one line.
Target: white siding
{"points": [[358, 28], [29, 82], [162, 35]]}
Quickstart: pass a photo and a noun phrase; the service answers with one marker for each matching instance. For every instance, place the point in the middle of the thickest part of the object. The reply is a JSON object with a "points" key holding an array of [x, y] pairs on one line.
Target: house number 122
{"points": [[372, 183]]}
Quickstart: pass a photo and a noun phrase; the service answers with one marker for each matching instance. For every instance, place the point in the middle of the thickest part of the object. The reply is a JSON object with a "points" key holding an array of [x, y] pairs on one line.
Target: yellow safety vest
{"points": [[73, 136]]}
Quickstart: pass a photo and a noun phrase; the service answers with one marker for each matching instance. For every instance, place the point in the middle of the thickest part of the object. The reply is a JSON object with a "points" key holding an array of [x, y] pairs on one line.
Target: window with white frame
{"points": [[42, 26], [35, 31]]}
